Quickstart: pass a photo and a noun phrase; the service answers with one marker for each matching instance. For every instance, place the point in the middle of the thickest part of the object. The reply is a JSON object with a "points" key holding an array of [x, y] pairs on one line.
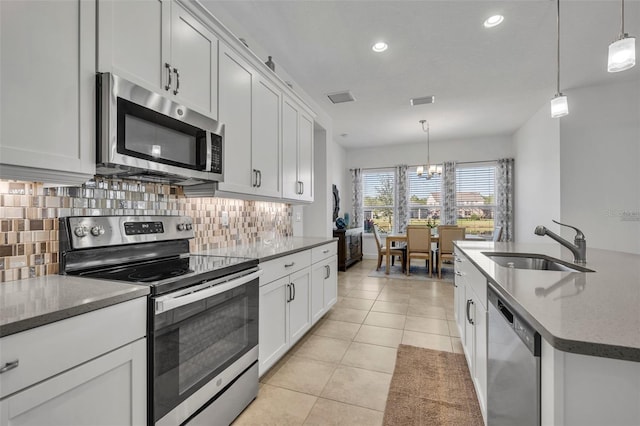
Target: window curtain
{"points": [[504, 198], [356, 198], [402, 200], [449, 214]]}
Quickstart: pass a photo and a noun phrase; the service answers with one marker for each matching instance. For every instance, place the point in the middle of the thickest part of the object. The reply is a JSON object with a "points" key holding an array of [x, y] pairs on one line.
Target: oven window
{"points": [[147, 134], [194, 343]]}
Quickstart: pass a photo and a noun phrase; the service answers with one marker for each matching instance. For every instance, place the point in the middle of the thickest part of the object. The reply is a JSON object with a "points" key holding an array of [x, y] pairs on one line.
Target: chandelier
{"points": [[429, 170]]}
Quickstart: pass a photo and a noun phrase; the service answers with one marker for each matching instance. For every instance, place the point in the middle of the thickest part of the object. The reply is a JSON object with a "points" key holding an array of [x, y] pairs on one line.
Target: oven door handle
{"points": [[168, 302]]}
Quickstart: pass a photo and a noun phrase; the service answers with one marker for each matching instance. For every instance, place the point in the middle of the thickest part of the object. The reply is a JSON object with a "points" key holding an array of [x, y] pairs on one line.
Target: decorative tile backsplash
{"points": [[29, 215]]}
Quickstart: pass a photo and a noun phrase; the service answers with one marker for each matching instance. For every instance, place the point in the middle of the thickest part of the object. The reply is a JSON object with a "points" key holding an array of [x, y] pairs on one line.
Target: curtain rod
{"points": [[457, 162]]}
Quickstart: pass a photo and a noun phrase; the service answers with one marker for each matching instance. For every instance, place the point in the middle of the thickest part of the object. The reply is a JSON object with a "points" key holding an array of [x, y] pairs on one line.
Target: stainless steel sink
{"points": [[538, 262]]}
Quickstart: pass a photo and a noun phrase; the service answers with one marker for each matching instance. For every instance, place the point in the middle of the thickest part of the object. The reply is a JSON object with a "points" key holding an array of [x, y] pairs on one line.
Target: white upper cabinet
{"points": [[47, 86], [161, 46], [250, 111], [297, 152]]}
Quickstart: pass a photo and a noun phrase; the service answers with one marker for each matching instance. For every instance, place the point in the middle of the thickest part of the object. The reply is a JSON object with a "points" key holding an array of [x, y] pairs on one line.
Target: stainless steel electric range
{"points": [[202, 312]]}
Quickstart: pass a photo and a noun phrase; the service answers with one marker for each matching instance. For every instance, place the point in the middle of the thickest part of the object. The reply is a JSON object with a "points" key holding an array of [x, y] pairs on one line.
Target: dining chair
{"points": [[418, 245], [445, 247], [497, 233], [393, 252]]}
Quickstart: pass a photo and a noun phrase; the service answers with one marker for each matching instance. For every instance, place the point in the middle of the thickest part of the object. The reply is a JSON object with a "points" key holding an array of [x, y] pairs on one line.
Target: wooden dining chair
{"points": [[445, 246], [393, 252], [418, 245]]}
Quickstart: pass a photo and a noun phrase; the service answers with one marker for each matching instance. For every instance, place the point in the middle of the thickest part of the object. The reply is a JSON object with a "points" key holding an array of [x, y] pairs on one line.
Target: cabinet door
{"points": [[318, 275], [109, 390], [235, 113], [290, 186], [305, 156], [47, 82], [273, 328], [194, 54], [265, 138], [299, 306], [331, 284], [134, 41], [480, 354]]}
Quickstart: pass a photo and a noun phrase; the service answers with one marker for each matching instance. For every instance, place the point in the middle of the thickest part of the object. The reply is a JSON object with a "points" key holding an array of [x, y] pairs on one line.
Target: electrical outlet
{"points": [[298, 217], [225, 218]]}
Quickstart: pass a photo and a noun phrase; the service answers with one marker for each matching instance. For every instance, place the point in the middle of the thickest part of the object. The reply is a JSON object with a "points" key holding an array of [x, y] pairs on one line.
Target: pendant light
{"points": [[622, 52], [429, 170], [559, 103]]}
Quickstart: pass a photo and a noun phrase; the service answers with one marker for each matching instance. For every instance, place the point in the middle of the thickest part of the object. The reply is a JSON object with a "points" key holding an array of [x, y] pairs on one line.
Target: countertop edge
{"points": [[566, 345], [296, 250], [51, 317]]}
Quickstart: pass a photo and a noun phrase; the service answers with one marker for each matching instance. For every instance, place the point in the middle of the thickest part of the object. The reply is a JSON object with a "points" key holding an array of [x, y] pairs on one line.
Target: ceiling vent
{"points": [[341, 97], [423, 100]]}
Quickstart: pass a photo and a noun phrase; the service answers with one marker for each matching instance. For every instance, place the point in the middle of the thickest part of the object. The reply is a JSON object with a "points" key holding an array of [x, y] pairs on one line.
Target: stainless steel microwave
{"points": [[143, 135]]}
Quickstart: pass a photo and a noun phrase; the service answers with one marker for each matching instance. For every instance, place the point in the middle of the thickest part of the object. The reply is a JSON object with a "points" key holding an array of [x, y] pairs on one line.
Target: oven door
{"points": [[202, 338]]}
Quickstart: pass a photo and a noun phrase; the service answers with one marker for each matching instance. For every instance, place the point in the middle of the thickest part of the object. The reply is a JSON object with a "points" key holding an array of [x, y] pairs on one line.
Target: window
{"points": [[476, 197], [378, 190], [425, 199]]}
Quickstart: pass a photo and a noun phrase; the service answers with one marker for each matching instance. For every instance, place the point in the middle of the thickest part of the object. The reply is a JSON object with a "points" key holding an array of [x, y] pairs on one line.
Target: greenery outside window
{"points": [[476, 197], [378, 189]]}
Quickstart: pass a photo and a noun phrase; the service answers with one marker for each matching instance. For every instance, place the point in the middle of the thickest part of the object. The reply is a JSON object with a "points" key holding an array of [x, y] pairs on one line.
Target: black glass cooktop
{"points": [[170, 274]]}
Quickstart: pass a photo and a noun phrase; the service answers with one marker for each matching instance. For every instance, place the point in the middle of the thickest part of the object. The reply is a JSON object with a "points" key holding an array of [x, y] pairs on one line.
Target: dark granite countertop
{"points": [[277, 248], [591, 313], [33, 302]]}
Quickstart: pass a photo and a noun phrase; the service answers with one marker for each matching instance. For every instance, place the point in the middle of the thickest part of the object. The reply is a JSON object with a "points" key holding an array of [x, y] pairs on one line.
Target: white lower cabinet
{"points": [[88, 369], [295, 292], [470, 311], [285, 307], [324, 280]]}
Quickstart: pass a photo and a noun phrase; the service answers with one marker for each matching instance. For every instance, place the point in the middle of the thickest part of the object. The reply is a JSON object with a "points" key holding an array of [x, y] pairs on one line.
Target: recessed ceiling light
{"points": [[380, 46], [493, 21]]}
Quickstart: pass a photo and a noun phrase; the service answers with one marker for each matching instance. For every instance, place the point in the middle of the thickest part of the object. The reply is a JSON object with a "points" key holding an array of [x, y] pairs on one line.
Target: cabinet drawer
{"points": [[53, 348], [323, 252], [285, 265], [472, 277]]}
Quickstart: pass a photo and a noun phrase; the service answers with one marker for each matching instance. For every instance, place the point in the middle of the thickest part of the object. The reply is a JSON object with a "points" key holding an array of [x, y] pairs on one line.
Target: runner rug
{"points": [[431, 388]]}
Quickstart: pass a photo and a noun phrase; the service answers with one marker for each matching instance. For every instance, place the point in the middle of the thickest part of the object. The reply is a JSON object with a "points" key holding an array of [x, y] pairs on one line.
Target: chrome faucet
{"points": [[579, 248]]}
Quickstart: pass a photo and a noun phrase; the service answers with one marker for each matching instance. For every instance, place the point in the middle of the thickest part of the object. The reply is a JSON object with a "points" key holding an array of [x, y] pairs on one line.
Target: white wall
{"points": [[537, 175], [600, 164]]}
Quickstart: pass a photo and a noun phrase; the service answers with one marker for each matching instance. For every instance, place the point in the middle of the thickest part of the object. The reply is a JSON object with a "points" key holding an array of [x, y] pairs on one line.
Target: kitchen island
{"points": [[589, 323]]}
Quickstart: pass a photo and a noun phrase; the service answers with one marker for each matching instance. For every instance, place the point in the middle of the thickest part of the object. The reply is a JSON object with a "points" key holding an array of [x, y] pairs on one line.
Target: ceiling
{"points": [[486, 81]]}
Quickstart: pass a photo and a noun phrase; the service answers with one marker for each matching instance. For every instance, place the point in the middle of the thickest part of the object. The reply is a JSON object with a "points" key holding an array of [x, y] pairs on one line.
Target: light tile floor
{"points": [[339, 372]]}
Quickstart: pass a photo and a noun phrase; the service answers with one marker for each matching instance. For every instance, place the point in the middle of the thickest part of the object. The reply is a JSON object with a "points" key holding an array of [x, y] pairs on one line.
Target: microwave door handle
{"points": [[167, 303], [209, 151]]}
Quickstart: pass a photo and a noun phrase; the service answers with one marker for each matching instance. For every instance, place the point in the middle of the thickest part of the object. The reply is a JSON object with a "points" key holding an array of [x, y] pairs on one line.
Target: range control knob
{"points": [[181, 227], [80, 231], [96, 231], [189, 227]]}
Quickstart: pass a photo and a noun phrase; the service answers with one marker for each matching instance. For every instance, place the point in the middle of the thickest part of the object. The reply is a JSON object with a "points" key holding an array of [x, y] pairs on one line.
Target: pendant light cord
{"points": [[558, 51], [622, 19]]}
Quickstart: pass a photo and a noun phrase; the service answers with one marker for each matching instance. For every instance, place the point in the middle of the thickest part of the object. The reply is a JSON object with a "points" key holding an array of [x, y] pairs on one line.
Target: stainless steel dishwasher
{"points": [[513, 371]]}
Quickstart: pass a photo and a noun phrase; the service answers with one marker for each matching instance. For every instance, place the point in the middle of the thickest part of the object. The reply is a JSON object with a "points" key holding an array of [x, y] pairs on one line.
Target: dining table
{"points": [[398, 239]]}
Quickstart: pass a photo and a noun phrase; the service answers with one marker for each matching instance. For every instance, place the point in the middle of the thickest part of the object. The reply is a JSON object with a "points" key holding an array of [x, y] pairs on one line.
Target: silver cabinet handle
{"points": [[458, 259], [289, 265], [293, 285], [469, 303], [325, 251], [458, 273], [10, 366], [302, 186], [328, 271], [289, 291], [255, 178], [259, 178], [168, 68], [175, 70]]}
